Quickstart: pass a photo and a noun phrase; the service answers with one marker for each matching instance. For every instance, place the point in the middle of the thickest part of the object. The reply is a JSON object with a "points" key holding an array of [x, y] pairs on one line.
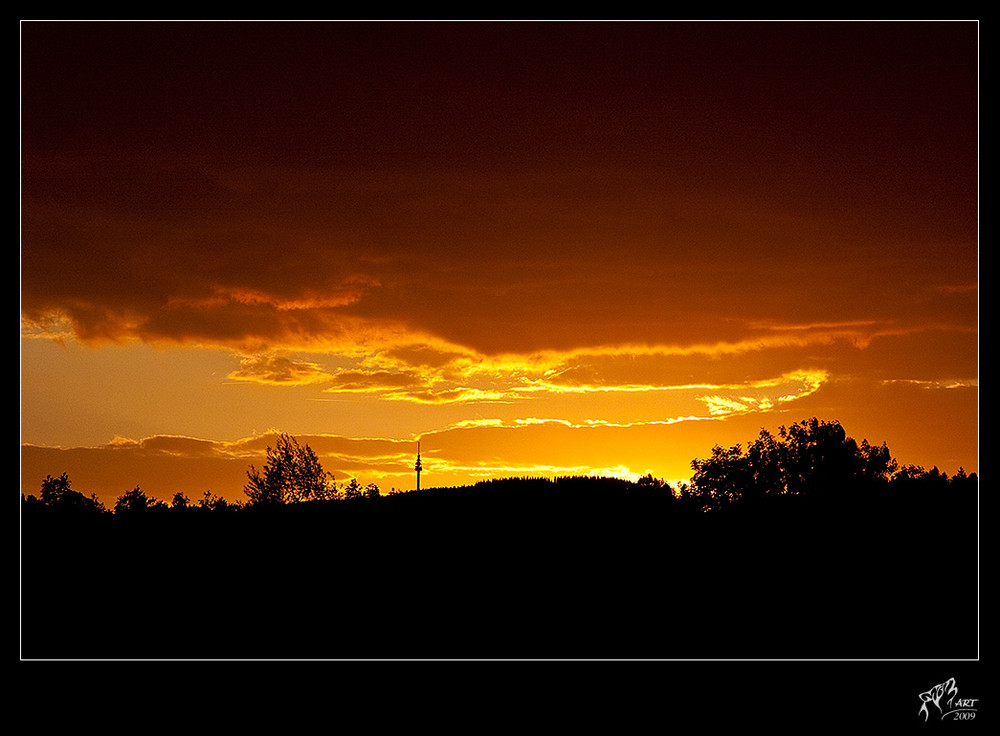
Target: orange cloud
{"points": [[585, 267], [280, 370]]}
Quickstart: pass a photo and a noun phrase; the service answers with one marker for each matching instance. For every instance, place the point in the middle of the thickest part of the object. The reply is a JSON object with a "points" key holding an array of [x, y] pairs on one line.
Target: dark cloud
{"points": [[505, 187]]}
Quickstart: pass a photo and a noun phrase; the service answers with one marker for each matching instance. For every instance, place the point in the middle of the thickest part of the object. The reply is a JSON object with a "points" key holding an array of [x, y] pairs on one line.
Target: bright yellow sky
{"points": [[538, 248]]}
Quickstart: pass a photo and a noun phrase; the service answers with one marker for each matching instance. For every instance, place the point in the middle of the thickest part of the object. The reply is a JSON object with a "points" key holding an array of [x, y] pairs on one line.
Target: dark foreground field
{"points": [[508, 572]]}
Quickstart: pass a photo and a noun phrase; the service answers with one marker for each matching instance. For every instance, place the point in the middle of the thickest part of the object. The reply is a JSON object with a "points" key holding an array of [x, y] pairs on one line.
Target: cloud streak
{"points": [[279, 370]]}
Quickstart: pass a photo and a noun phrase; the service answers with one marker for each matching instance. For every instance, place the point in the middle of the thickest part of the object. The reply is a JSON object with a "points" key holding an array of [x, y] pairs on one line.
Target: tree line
{"points": [[812, 458], [800, 543]]}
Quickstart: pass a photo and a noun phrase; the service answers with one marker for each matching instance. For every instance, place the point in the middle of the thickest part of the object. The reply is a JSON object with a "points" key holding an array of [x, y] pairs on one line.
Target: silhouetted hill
{"points": [[521, 568]]}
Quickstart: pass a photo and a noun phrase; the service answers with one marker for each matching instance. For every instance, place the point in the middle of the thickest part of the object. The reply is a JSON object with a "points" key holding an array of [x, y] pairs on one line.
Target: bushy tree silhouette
{"points": [[135, 501], [53, 489], [57, 494], [721, 478], [211, 502], [810, 457], [352, 489], [292, 473]]}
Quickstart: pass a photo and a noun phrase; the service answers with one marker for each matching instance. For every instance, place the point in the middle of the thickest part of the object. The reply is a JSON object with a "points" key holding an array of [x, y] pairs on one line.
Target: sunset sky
{"points": [[537, 248]]}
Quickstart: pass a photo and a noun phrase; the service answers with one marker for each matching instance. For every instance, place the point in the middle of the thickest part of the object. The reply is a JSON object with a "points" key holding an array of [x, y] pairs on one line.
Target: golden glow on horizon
{"points": [[525, 391]]}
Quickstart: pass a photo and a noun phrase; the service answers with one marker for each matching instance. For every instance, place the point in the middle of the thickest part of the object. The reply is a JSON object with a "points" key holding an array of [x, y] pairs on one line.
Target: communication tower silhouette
{"points": [[418, 466]]}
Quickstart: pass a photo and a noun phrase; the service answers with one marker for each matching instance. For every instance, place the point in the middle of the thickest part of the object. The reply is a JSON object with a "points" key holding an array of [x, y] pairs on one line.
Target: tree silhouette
{"points": [[53, 489], [819, 456], [352, 489], [135, 501], [810, 457], [292, 473], [57, 494], [722, 478], [211, 502]]}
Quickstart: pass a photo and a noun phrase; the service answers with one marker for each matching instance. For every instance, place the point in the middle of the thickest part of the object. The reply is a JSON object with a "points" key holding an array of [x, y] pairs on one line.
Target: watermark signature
{"points": [[943, 702]]}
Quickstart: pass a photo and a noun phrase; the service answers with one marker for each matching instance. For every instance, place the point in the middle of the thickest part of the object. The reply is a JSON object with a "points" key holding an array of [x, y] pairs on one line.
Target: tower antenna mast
{"points": [[418, 467]]}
